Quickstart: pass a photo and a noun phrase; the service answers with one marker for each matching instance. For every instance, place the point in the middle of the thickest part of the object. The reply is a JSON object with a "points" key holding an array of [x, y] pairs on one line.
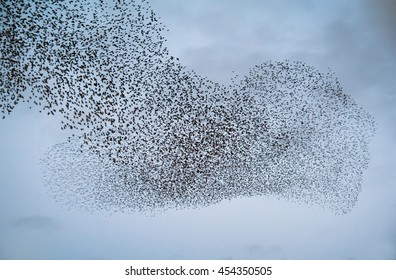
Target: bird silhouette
{"points": [[150, 134]]}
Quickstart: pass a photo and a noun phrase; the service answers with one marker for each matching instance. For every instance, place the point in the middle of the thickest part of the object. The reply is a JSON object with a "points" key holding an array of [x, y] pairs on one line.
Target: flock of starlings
{"points": [[147, 134]]}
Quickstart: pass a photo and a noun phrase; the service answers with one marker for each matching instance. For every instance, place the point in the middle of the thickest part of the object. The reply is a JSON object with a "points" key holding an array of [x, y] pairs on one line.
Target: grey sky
{"points": [[355, 39]]}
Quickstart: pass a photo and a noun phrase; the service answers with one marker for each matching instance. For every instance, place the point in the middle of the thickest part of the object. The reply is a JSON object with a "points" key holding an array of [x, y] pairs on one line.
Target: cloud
{"points": [[36, 222], [257, 251], [381, 15]]}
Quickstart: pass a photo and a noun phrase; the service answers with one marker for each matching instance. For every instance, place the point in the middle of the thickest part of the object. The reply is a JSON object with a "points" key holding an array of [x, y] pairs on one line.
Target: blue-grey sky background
{"points": [[355, 39]]}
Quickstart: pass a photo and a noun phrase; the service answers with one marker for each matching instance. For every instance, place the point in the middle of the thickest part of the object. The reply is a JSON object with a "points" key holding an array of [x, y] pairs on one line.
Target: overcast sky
{"points": [[355, 39]]}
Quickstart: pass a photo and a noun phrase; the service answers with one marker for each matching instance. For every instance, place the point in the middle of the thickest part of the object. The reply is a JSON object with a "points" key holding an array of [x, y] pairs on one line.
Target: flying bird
{"points": [[150, 134]]}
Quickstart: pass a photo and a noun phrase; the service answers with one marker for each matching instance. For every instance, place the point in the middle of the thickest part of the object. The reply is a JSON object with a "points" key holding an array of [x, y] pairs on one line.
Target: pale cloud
{"points": [[36, 222]]}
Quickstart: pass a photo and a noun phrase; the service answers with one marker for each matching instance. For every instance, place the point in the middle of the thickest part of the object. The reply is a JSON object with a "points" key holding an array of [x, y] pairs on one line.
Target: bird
{"points": [[149, 134]]}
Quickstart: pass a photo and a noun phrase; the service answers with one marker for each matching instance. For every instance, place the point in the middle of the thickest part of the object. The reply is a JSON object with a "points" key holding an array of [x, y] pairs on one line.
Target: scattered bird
{"points": [[150, 135]]}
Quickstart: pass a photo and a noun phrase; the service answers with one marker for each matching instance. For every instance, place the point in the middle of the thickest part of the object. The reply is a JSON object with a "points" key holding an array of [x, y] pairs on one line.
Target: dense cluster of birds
{"points": [[148, 134]]}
